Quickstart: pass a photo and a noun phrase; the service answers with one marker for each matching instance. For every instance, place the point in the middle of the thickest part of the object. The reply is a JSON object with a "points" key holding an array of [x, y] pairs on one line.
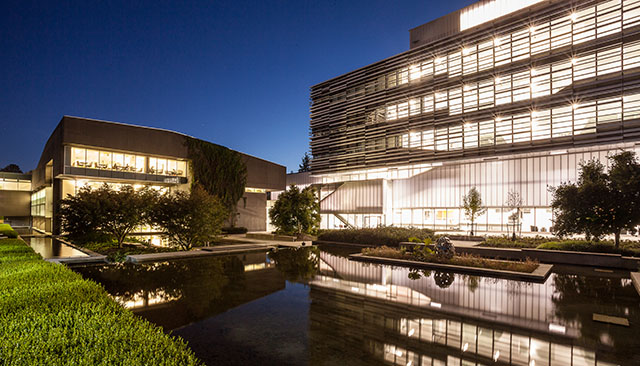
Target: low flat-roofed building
{"points": [[15, 197], [91, 152]]}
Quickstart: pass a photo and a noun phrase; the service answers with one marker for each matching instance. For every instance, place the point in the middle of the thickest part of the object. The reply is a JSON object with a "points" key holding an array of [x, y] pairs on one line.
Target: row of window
{"points": [[108, 160], [526, 85], [572, 28], [38, 203], [8, 184], [568, 120]]}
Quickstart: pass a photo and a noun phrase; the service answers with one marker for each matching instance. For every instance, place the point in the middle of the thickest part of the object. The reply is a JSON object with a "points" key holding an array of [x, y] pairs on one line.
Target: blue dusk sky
{"points": [[236, 73]]}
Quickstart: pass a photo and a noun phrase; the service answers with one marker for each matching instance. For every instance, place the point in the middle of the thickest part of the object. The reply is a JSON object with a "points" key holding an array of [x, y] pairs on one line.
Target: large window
{"points": [[122, 162]]}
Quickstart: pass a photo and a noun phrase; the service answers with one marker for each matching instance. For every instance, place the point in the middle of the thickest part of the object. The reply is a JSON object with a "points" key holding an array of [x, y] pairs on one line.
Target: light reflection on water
{"points": [[52, 248], [311, 306]]}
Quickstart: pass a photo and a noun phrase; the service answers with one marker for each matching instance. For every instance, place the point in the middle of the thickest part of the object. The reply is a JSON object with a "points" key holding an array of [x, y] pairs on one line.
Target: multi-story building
{"points": [[503, 95], [90, 152]]}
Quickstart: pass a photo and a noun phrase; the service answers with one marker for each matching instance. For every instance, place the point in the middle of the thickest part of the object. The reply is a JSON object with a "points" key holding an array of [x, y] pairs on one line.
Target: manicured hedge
{"points": [[234, 230], [626, 248], [384, 235], [7, 230], [521, 242], [50, 315]]}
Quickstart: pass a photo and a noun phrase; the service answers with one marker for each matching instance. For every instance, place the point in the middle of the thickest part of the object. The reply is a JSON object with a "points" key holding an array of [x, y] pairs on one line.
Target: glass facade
{"points": [[515, 104], [14, 184], [122, 162]]}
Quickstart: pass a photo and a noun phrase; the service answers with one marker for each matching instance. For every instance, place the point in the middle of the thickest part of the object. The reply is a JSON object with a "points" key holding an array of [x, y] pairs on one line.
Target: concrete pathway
{"points": [[464, 244]]}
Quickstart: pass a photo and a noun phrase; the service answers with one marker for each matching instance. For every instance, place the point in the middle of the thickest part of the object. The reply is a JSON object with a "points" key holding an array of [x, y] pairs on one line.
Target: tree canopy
{"points": [[305, 165], [189, 219], [116, 212], [11, 168], [601, 202], [296, 211]]}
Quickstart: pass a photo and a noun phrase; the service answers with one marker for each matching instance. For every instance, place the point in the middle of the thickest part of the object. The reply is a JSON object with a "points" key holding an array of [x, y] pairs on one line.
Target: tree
{"points": [[296, 211], [472, 205], [305, 165], [11, 168], [624, 185], [582, 208], [189, 219], [514, 202], [116, 212], [601, 202]]}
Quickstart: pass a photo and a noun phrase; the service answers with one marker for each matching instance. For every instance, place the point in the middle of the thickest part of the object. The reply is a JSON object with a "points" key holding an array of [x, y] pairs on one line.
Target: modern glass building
{"points": [[503, 95]]}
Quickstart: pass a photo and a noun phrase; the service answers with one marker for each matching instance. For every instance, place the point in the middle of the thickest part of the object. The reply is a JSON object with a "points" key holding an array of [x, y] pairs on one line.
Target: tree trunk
{"points": [[471, 227], [618, 239]]}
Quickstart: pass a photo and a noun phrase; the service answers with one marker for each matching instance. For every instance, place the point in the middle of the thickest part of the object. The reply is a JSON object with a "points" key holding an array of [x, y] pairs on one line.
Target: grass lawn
{"points": [[426, 255], [50, 315]]}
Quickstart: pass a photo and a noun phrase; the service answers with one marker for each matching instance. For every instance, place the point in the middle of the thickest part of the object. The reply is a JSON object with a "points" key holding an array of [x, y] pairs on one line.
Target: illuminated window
{"points": [[78, 157]]}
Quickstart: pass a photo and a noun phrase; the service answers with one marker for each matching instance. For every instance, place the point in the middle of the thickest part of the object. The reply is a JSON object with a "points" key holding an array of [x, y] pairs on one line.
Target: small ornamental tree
{"points": [[190, 219], [116, 212], [296, 211], [514, 202], [472, 205]]}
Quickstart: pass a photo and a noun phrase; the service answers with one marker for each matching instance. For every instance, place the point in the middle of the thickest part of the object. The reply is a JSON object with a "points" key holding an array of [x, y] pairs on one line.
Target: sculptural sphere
{"points": [[445, 248]]}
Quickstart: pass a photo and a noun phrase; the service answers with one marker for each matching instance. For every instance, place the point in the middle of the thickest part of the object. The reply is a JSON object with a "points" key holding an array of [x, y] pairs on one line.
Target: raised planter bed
{"points": [[539, 275], [551, 256]]}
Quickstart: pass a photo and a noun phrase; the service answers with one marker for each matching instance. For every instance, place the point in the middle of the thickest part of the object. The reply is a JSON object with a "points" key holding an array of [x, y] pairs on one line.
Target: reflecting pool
{"points": [[314, 306], [48, 248]]}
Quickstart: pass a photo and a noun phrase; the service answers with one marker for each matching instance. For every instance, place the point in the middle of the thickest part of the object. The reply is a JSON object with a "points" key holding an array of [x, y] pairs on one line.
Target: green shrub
{"points": [[52, 316], [7, 230], [626, 248], [384, 235], [521, 242], [234, 230], [425, 254]]}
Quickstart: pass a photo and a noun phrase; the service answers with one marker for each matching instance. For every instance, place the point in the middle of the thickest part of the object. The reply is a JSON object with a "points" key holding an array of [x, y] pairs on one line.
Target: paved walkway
{"points": [[465, 244]]}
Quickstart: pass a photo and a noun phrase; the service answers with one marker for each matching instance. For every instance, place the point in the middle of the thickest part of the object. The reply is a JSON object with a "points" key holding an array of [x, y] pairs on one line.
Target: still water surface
{"points": [[48, 248], [313, 306]]}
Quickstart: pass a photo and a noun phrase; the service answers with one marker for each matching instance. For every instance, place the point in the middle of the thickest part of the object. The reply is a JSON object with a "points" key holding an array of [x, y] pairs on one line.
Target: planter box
{"points": [[539, 275]]}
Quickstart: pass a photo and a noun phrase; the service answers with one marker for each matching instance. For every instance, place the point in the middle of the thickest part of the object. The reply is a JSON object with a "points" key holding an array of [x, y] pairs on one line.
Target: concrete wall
{"points": [[253, 211], [15, 203]]}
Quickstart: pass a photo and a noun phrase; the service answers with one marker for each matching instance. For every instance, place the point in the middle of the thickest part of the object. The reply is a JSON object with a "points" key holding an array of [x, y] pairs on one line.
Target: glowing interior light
{"points": [[534, 72], [399, 353], [438, 60], [574, 17], [409, 363], [532, 29], [496, 356], [575, 106], [411, 332], [574, 61], [557, 328], [355, 289], [498, 119], [532, 363], [466, 88], [534, 114], [465, 347], [466, 51], [436, 305], [498, 79], [496, 42]]}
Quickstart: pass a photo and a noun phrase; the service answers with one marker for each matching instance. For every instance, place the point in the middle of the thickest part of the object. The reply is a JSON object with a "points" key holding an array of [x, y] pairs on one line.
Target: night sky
{"points": [[236, 73]]}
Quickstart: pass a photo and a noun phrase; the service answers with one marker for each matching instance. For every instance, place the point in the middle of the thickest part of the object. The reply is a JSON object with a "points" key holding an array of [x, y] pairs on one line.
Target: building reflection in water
{"points": [[173, 294], [382, 313]]}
